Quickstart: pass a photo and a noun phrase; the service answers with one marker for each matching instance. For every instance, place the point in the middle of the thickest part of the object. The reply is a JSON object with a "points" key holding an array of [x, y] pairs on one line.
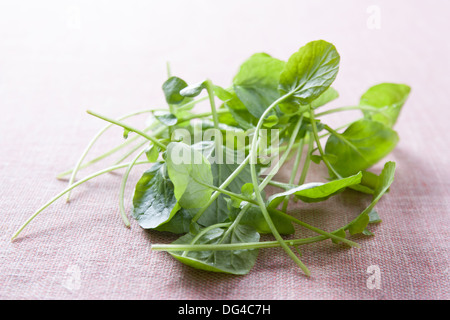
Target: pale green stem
{"points": [[319, 145], [91, 143], [129, 128], [298, 157], [234, 246], [101, 157], [366, 108], [257, 191], [224, 184], [130, 152], [59, 195], [307, 163], [205, 230], [211, 95], [284, 215], [123, 184]]}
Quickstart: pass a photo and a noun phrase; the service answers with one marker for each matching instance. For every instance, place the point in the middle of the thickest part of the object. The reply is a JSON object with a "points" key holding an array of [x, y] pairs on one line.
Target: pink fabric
{"points": [[58, 58]]}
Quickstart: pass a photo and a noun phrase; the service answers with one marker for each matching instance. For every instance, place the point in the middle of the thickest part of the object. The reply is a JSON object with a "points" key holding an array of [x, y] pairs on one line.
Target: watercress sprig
{"points": [[207, 172]]}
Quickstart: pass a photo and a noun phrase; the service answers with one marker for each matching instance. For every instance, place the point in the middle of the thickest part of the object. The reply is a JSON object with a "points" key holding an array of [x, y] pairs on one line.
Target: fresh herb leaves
{"points": [[207, 171]]}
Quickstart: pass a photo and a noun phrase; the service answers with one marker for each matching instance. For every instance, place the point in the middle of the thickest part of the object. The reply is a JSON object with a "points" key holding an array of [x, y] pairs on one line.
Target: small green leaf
{"points": [[359, 224], [270, 121], [340, 233], [254, 217], [166, 118], [361, 145], [221, 169], [389, 98], [327, 96], [172, 88], [374, 217], [315, 158], [315, 191], [256, 83], [247, 190], [180, 222], [186, 166], [152, 153], [227, 261], [154, 202], [194, 90], [309, 72], [222, 93]]}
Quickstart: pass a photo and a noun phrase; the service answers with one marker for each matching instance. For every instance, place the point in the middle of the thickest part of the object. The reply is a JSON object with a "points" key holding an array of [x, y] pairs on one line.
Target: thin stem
{"points": [[319, 145], [367, 108], [306, 163], [130, 140], [129, 128], [91, 143], [298, 157], [130, 152], [257, 190], [224, 184], [211, 95], [203, 115], [59, 195], [205, 230], [123, 184], [284, 215], [338, 128], [101, 157], [168, 71], [235, 246]]}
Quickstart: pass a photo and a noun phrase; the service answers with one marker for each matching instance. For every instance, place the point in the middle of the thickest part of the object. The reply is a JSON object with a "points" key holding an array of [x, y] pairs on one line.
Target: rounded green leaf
{"points": [[361, 145], [389, 98], [309, 72]]}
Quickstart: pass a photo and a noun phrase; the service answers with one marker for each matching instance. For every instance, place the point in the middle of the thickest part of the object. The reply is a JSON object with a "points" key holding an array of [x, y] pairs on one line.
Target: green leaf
{"points": [[256, 83], [222, 93], [361, 145], [374, 217], [223, 164], [238, 114], [186, 166], [309, 72], [166, 118], [152, 153], [359, 224], [154, 202], [179, 223], [368, 183], [254, 217], [270, 121], [315, 191], [228, 261], [329, 95], [340, 233], [389, 98], [194, 90], [172, 88]]}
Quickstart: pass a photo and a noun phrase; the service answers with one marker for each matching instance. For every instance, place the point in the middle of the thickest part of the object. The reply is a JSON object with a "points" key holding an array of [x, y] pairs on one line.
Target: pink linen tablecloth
{"points": [[59, 58]]}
